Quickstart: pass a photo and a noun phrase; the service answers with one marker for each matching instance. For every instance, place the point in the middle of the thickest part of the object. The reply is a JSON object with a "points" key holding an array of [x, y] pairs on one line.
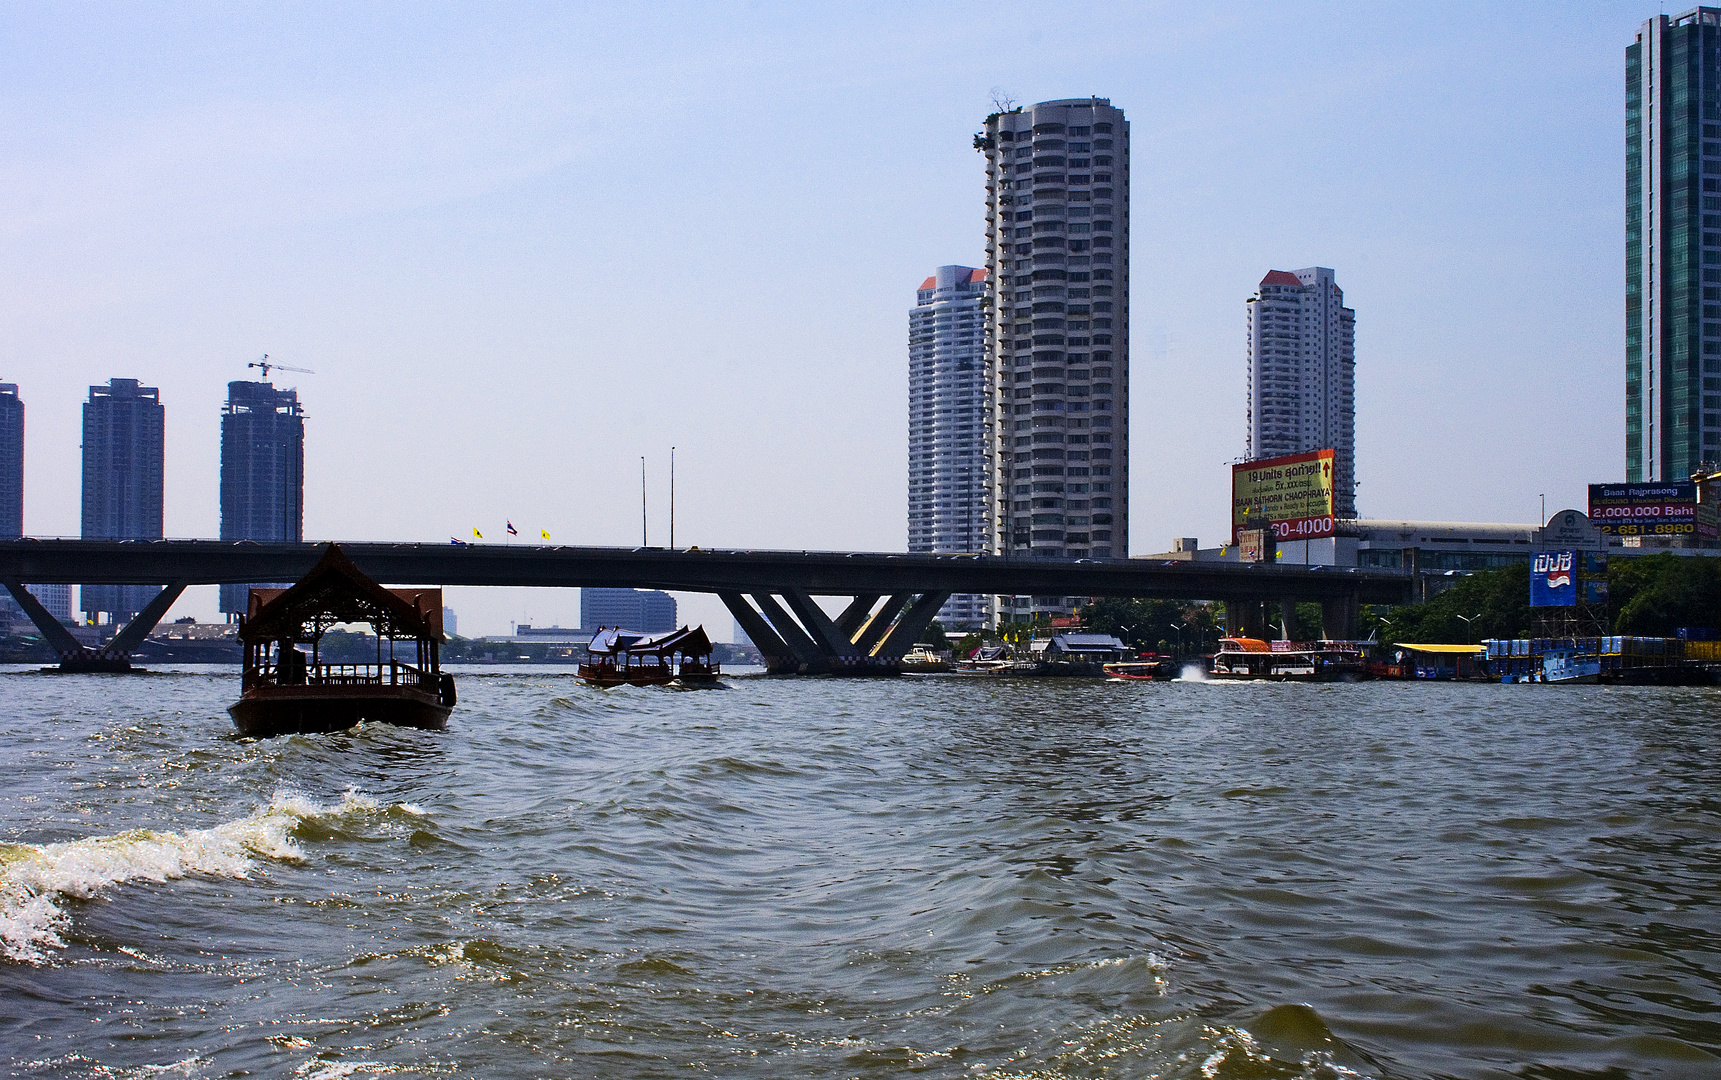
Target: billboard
{"points": [[1294, 493], [1662, 509], [1554, 579]]}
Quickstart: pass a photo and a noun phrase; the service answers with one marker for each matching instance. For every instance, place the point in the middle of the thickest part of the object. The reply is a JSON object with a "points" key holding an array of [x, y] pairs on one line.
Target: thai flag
{"points": [[512, 531], [457, 542]]}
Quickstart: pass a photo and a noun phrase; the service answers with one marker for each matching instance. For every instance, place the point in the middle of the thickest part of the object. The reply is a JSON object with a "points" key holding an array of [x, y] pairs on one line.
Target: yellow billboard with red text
{"points": [[1294, 493]]}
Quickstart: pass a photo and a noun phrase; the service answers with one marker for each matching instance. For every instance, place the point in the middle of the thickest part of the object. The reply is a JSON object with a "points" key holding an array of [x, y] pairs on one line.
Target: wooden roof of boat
{"points": [[336, 591], [687, 642]]}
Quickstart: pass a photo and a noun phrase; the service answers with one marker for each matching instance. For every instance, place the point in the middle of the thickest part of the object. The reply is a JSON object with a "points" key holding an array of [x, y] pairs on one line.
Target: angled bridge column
{"points": [[113, 657]]}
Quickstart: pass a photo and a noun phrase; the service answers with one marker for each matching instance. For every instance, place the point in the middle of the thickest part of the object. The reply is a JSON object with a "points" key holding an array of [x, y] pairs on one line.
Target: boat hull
{"points": [[606, 676], [292, 710]]}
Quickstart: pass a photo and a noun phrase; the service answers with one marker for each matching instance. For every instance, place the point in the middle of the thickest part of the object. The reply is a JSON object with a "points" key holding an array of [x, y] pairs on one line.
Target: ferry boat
{"points": [[285, 691], [1288, 661], [617, 657]]}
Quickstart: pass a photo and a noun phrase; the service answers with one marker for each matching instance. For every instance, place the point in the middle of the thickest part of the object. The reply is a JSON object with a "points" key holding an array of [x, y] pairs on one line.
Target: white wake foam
{"points": [[35, 879]]}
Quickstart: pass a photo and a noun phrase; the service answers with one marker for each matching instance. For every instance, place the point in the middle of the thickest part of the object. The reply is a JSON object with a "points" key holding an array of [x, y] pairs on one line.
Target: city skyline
{"points": [[472, 275]]}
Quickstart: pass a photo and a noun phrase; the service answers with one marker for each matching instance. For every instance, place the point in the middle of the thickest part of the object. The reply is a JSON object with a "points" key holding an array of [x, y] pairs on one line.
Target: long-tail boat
{"points": [[286, 690], [619, 657]]}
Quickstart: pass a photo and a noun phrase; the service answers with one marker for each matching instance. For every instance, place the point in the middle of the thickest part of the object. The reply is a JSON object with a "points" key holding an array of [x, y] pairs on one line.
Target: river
{"points": [[865, 878]]}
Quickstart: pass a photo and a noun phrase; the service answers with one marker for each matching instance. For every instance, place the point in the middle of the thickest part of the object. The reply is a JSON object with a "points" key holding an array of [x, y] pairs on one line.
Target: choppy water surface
{"points": [[857, 878]]}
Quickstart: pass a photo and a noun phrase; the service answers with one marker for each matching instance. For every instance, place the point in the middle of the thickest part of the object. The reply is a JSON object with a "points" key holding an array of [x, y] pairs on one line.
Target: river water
{"points": [[865, 878]]}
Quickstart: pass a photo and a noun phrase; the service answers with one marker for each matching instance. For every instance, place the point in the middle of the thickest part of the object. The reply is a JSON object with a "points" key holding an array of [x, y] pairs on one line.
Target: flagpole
{"points": [[672, 498], [644, 535]]}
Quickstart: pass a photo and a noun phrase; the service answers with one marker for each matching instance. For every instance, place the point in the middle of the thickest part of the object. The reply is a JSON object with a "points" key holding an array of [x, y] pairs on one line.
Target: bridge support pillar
{"points": [[115, 656], [779, 659], [1339, 618], [1246, 618], [860, 641], [1287, 619], [805, 650]]}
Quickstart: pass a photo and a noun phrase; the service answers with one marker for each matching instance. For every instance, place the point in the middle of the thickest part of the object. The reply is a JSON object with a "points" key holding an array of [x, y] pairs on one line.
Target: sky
{"points": [[522, 246]]}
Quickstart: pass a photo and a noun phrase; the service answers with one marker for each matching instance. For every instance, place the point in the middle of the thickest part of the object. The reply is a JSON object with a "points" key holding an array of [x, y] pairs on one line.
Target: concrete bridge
{"points": [[891, 598]]}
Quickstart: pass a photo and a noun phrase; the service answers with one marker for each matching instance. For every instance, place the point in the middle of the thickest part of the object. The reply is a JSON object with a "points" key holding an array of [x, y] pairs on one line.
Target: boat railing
{"points": [[387, 673]]}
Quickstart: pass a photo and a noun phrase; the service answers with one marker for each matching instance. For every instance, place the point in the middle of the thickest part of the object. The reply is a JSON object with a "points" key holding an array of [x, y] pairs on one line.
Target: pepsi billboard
{"points": [[1554, 579]]}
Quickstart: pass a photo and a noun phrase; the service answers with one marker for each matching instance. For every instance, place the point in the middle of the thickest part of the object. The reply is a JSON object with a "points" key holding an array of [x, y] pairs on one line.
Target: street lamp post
{"points": [[1178, 627], [1468, 619]]}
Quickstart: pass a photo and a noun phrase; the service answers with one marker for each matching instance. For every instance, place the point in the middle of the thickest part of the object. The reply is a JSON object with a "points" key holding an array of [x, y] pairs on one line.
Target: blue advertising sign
{"points": [[1554, 579]]}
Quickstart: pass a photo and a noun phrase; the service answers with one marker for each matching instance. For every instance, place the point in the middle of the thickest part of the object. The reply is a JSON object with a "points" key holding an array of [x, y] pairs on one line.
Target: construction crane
{"points": [[266, 365]]}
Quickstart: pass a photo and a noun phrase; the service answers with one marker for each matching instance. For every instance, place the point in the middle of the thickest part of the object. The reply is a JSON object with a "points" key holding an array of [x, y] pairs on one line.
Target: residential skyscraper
{"points": [[1673, 246], [1302, 374], [122, 496], [11, 461], [648, 611], [1057, 253], [949, 463], [262, 471]]}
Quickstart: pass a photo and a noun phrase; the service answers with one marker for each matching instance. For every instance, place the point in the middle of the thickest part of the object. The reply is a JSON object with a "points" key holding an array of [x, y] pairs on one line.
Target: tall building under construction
{"points": [[262, 471]]}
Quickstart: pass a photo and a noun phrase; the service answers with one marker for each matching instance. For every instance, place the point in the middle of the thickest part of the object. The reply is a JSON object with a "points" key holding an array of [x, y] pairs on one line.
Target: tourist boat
{"points": [[285, 691], [1288, 661], [617, 657]]}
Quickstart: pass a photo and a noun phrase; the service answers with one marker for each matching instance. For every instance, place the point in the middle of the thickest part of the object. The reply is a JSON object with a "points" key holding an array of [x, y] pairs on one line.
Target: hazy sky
{"points": [[521, 246]]}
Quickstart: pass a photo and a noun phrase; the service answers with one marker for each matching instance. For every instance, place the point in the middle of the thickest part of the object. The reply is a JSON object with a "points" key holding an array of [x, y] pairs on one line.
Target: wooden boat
{"points": [[1151, 668], [617, 657], [988, 660], [285, 691], [1288, 661]]}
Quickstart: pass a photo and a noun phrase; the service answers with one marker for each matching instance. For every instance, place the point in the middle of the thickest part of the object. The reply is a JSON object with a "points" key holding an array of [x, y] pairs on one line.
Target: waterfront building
{"points": [[949, 467], [647, 610], [11, 461], [1057, 255], [450, 623], [1673, 247], [122, 482], [1301, 345], [262, 471]]}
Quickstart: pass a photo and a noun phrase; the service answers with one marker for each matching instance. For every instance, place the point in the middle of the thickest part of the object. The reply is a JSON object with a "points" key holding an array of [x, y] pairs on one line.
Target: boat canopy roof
{"points": [[1246, 644], [1465, 650], [687, 642], [335, 591]]}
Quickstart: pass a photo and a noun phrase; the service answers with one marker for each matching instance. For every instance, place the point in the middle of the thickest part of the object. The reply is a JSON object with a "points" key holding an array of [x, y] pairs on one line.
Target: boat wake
{"points": [[37, 879], [1192, 673]]}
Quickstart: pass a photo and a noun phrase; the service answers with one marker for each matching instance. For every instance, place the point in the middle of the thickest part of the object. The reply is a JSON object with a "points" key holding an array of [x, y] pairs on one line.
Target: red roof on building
{"points": [[1278, 277], [929, 283], [978, 275]]}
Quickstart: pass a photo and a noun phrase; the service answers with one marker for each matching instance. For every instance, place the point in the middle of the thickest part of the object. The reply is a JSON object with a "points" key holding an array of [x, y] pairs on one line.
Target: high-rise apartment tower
{"points": [[1673, 246], [949, 394], [11, 461], [262, 471], [1057, 253], [1302, 374], [123, 428]]}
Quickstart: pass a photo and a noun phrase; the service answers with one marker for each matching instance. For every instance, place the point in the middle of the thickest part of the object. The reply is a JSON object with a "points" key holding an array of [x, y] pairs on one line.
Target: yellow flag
{"points": [[478, 534], [545, 533]]}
